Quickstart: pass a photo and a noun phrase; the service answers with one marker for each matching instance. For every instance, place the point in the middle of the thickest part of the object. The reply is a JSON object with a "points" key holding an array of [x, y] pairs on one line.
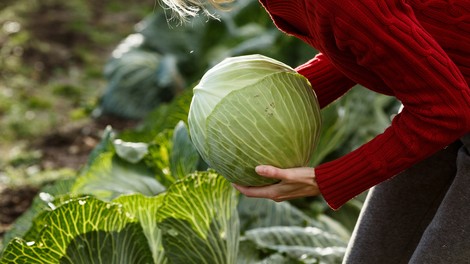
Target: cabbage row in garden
{"points": [[146, 196], [156, 202], [161, 58]]}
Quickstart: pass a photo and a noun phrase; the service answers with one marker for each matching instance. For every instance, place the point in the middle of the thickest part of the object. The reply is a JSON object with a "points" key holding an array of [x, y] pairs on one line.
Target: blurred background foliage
{"points": [[70, 68], [51, 74], [51, 60]]}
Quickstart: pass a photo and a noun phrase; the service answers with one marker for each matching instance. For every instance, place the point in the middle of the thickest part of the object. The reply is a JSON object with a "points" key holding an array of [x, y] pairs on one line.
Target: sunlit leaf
{"points": [[132, 152], [158, 157], [145, 210], [84, 230], [199, 220], [184, 156], [109, 176], [47, 199]]}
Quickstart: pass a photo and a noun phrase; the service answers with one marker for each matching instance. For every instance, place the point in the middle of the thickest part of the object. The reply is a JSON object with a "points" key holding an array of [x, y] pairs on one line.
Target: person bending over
{"points": [[419, 167]]}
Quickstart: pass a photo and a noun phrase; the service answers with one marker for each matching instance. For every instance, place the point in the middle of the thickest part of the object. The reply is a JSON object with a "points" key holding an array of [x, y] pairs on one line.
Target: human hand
{"points": [[294, 183]]}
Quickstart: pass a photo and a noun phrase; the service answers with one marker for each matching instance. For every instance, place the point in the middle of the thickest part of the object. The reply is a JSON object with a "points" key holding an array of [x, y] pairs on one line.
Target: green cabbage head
{"points": [[251, 110]]}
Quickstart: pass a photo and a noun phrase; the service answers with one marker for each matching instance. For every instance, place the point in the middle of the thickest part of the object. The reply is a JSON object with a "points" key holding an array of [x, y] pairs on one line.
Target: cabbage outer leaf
{"points": [[229, 75], [199, 220]]}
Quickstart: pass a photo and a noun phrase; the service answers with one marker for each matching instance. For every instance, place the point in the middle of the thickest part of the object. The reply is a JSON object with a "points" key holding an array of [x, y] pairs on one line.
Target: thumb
{"points": [[269, 171]]}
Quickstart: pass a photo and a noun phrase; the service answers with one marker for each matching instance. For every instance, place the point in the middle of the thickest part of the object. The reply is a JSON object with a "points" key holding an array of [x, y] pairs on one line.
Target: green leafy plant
{"points": [[138, 80], [148, 187], [98, 231], [160, 210]]}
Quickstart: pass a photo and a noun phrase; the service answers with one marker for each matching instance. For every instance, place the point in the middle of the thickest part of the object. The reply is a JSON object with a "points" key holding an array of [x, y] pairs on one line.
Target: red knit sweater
{"points": [[415, 50]]}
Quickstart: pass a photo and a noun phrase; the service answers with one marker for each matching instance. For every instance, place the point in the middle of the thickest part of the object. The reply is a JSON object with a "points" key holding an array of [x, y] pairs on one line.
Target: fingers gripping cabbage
{"points": [[251, 110]]}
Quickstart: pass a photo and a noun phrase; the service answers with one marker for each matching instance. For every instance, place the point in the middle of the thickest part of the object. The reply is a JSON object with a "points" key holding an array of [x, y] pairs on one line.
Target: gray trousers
{"points": [[420, 216]]}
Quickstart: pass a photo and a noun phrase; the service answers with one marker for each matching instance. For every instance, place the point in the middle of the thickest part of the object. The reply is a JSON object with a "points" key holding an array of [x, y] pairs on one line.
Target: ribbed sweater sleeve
{"points": [[328, 83], [384, 40]]}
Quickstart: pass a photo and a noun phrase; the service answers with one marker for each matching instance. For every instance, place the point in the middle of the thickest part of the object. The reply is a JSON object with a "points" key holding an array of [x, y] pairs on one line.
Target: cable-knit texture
{"points": [[324, 76], [415, 50]]}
